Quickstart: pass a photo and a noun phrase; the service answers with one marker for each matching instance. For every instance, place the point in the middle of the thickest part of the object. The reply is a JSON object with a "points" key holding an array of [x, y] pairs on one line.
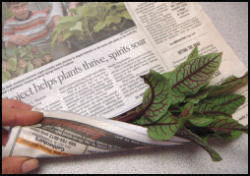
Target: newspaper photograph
{"points": [[87, 58], [46, 38]]}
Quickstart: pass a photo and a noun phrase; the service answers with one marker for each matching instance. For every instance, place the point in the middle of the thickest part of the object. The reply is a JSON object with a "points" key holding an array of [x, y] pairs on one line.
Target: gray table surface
{"points": [[231, 20]]}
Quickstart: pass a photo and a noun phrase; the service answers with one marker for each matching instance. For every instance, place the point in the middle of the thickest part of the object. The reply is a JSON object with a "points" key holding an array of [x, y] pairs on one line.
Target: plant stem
{"points": [[133, 114]]}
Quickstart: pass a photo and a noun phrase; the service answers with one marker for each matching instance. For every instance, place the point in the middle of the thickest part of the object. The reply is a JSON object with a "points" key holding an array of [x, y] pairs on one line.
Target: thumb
{"points": [[18, 165]]}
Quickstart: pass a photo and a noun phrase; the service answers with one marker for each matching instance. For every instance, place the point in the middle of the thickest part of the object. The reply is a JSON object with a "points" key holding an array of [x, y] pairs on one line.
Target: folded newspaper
{"points": [[87, 58], [66, 134]]}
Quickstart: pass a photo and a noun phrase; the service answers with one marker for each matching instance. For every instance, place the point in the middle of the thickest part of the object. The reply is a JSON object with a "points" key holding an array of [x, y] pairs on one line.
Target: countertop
{"points": [[231, 20]]}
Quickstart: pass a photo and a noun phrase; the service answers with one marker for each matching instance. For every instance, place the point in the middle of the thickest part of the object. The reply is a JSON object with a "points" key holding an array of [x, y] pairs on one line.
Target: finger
{"points": [[14, 117], [8, 103], [18, 165], [5, 135]]}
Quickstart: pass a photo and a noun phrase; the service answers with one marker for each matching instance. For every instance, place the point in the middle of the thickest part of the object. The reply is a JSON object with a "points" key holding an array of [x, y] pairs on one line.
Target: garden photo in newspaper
{"points": [[27, 36], [92, 22], [55, 30]]}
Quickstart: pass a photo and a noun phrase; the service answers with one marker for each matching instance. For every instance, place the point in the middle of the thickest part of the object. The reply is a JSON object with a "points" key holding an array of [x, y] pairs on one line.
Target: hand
{"points": [[19, 39], [60, 38], [72, 5], [17, 113], [70, 13], [56, 19]]}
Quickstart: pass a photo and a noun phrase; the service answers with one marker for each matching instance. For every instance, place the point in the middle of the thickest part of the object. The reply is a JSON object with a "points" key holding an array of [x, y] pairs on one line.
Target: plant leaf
{"points": [[194, 74], [12, 64], [186, 133], [157, 102], [11, 52], [187, 110], [120, 6], [22, 52], [67, 35], [125, 15], [72, 11], [167, 75], [55, 34], [229, 85], [147, 97], [193, 54], [30, 67], [165, 128], [197, 98], [225, 124], [5, 76], [201, 121], [99, 26], [87, 10], [64, 20], [77, 27], [228, 136], [112, 19], [221, 105]]}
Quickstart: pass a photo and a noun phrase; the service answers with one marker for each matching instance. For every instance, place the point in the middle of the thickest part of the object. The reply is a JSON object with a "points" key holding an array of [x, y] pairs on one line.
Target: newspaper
{"points": [[104, 54], [67, 134]]}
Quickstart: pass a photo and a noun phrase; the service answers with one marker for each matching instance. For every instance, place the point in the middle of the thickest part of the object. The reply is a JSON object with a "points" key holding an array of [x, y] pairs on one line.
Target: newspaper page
{"points": [[88, 59]]}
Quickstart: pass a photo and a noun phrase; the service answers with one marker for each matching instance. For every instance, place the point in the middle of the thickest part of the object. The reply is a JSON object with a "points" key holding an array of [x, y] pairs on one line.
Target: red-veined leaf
{"points": [[229, 85], [156, 102], [165, 128], [221, 105], [193, 54], [225, 124], [194, 74]]}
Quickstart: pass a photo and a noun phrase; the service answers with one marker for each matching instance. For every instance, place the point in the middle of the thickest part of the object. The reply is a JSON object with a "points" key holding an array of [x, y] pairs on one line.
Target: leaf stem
{"points": [[133, 115]]}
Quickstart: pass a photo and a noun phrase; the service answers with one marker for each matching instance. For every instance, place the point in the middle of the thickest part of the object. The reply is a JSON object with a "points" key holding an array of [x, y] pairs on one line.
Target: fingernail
{"points": [[29, 165]]}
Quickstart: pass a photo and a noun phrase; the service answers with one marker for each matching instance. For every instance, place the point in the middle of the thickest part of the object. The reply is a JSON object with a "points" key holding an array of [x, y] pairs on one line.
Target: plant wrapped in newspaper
{"points": [[17, 61], [182, 103], [91, 22]]}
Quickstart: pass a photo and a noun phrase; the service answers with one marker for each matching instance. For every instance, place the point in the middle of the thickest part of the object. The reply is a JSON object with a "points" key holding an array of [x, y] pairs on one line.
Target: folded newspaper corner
{"points": [[67, 134]]}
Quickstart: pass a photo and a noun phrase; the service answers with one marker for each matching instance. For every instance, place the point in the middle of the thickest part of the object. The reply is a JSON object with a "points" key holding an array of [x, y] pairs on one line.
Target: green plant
{"points": [[183, 103], [91, 19], [17, 61]]}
